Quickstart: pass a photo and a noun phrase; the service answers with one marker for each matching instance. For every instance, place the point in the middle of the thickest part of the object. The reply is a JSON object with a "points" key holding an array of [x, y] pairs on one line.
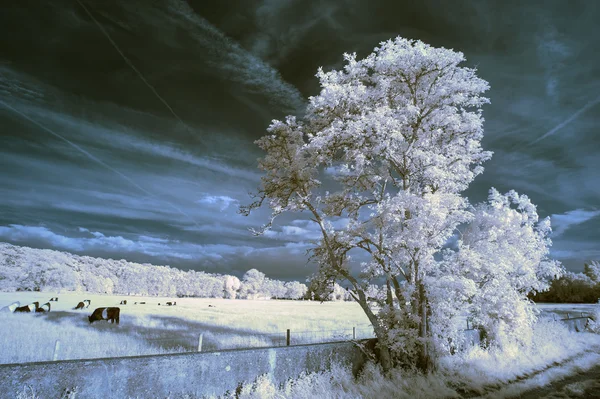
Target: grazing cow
{"points": [[142, 303], [87, 303], [169, 303], [32, 307], [10, 308], [211, 306], [55, 299], [108, 314], [80, 305], [44, 308], [123, 302]]}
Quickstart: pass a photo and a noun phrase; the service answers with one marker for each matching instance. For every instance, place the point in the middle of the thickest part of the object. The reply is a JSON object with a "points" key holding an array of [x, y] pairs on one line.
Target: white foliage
{"points": [[29, 269], [388, 146], [231, 286], [502, 256], [592, 270], [399, 134]]}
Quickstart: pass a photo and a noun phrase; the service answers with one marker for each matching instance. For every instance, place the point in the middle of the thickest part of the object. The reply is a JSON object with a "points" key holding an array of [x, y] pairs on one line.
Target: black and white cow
{"points": [[44, 308], [108, 314], [32, 307]]}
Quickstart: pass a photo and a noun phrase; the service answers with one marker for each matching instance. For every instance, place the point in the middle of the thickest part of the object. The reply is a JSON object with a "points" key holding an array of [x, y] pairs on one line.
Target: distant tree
{"points": [[231, 286], [570, 288], [295, 290], [592, 270], [274, 288], [252, 284]]}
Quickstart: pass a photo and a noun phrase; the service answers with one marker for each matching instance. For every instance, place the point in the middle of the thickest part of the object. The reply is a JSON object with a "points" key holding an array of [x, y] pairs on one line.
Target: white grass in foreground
{"points": [[555, 353], [32, 338]]}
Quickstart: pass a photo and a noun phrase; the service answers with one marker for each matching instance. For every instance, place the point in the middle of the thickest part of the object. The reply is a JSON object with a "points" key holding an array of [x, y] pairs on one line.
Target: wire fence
{"points": [[183, 342], [202, 341]]}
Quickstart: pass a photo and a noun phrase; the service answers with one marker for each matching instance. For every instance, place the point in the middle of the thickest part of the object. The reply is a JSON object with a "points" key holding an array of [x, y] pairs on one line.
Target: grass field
{"points": [[153, 328]]}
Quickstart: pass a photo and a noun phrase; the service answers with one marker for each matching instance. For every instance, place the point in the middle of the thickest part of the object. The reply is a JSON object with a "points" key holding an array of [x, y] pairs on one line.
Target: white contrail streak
{"points": [[99, 161], [568, 120], [132, 66]]}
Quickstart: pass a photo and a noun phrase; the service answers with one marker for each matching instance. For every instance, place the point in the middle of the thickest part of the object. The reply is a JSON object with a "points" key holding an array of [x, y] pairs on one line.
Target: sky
{"points": [[127, 128]]}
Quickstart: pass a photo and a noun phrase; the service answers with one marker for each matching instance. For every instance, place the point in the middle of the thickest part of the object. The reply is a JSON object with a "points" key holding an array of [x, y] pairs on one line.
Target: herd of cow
{"points": [[106, 313]]}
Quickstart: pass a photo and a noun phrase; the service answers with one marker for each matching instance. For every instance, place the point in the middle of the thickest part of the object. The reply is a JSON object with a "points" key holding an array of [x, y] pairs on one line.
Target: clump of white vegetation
{"points": [[594, 323]]}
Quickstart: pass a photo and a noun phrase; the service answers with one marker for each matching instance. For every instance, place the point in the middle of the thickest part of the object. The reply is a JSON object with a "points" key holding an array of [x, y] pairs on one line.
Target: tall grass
{"points": [[555, 353], [32, 338]]}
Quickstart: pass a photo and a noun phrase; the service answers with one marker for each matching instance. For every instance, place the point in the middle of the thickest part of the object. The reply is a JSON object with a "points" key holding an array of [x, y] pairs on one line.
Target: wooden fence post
{"points": [[56, 349], [353, 332], [200, 343], [287, 338]]}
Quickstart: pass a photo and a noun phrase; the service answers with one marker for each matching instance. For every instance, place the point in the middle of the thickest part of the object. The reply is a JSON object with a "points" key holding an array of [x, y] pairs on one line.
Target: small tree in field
{"points": [[253, 284], [231, 285], [386, 147]]}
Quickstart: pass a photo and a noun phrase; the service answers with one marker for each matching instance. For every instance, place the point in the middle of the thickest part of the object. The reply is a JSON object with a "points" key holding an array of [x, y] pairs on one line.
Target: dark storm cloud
{"points": [[170, 124]]}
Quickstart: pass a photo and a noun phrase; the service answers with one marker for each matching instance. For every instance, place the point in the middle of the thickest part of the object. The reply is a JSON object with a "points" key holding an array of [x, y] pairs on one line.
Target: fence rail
{"points": [[198, 342]]}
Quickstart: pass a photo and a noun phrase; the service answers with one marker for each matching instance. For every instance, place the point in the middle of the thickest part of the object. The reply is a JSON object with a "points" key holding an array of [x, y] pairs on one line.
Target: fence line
{"points": [[196, 343]]}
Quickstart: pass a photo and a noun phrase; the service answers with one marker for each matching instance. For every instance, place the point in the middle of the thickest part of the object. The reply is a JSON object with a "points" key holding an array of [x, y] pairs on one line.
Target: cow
{"points": [[10, 308], [171, 303], [87, 303], [108, 314], [44, 308], [32, 307], [123, 302], [80, 305], [55, 299]]}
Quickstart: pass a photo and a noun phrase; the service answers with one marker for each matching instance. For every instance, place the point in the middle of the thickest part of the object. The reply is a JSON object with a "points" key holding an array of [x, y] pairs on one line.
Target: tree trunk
{"points": [[385, 357], [424, 361]]}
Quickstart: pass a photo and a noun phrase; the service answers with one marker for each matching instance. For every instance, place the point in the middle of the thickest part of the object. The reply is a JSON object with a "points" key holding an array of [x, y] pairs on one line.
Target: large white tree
{"points": [[396, 139]]}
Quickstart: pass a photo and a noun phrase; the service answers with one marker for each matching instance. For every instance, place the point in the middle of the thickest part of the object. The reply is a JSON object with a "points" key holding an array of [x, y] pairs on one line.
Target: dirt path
{"points": [[584, 384], [576, 377]]}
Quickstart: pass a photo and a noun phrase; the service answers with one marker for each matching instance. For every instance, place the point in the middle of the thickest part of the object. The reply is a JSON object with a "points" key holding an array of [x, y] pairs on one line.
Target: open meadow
{"points": [[151, 328]]}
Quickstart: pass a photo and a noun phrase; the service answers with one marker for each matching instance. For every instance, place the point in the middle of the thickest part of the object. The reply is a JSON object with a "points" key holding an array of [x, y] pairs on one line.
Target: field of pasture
{"points": [[151, 328]]}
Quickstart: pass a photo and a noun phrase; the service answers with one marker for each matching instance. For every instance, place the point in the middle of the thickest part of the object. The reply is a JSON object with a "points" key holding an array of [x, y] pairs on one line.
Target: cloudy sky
{"points": [[127, 127]]}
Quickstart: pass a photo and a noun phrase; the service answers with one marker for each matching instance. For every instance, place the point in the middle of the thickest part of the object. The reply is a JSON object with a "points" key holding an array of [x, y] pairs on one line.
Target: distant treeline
{"points": [[29, 269], [574, 287]]}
